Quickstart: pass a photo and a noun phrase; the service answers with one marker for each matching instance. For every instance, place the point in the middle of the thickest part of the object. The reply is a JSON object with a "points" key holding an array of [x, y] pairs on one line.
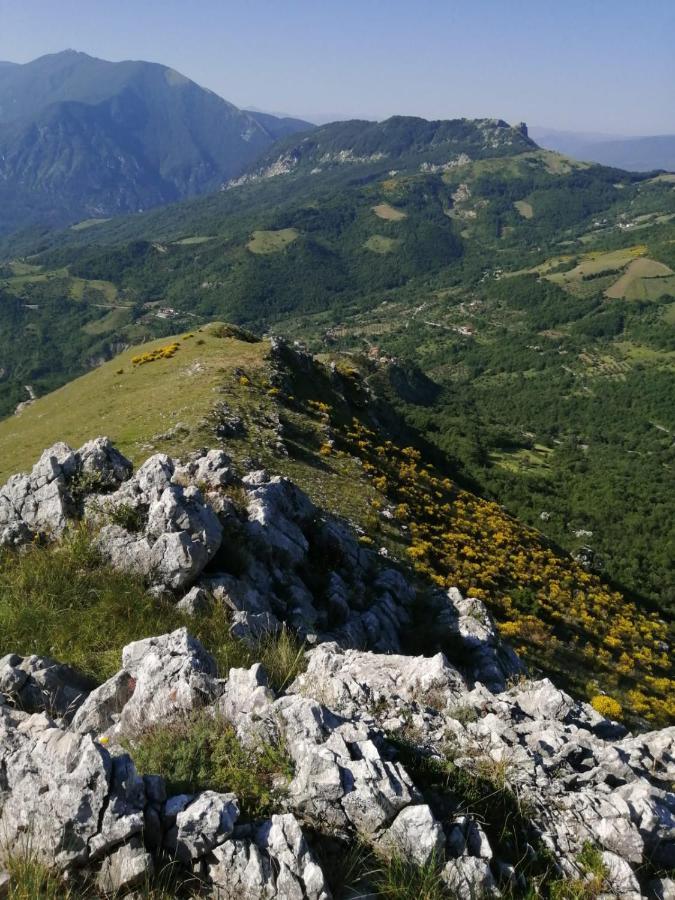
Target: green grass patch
{"points": [[87, 223], [378, 243], [115, 320], [192, 241], [644, 279], [272, 241], [202, 752], [63, 601], [131, 405]]}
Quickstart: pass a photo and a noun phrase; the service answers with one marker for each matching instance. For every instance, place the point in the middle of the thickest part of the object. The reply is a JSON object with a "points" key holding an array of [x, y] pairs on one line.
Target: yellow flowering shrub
{"points": [[560, 617], [607, 706]]}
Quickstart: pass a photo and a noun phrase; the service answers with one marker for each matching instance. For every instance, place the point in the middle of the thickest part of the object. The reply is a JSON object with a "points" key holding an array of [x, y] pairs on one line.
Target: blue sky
{"points": [[599, 65]]}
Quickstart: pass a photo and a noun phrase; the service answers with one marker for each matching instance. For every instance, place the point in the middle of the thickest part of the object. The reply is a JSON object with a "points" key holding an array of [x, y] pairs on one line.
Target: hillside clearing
{"points": [[389, 213], [644, 279], [140, 402], [524, 208], [263, 242], [378, 243]]}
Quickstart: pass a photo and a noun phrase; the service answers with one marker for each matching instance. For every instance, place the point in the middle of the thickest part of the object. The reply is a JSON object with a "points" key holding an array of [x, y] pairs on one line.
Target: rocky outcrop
{"points": [[389, 748], [40, 503]]}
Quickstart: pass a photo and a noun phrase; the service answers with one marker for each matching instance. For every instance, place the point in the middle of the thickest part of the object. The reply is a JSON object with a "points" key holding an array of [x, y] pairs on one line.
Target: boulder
{"points": [[275, 863]]}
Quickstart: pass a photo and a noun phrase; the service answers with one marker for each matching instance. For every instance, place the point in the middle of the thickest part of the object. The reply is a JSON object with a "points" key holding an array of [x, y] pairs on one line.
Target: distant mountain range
{"points": [[82, 137], [636, 154]]}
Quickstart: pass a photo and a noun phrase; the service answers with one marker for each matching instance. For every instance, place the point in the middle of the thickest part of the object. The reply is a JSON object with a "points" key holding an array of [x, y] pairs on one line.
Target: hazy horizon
{"points": [[594, 70]]}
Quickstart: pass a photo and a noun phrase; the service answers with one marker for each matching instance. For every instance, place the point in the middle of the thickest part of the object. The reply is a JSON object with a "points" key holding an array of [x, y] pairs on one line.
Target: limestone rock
{"points": [[275, 863]]}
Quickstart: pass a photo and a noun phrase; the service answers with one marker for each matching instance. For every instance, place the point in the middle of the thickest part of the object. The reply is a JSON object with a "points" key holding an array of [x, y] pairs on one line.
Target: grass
{"points": [[264, 242], [201, 752], [389, 213], [378, 243], [131, 405], [524, 208], [195, 239], [398, 879], [524, 459], [644, 279], [31, 879], [87, 223], [61, 601]]}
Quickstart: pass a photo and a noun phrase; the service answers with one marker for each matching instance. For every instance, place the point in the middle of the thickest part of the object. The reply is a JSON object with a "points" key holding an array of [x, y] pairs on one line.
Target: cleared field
{"points": [[272, 241], [112, 321], [389, 213], [195, 239], [80, 285], [523, 460], [87, 223], [378, 243], [669, 314], [638, 353], [524, 208], [644, 279]]}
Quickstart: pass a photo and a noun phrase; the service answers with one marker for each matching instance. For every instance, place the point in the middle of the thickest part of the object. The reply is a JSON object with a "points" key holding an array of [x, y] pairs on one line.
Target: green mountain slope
{"points": [[341, 441], [529, 297], [82, 137]]}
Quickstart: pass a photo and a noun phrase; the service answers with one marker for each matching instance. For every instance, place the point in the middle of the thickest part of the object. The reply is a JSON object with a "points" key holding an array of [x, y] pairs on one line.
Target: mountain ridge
{"points": [[82, 137]]}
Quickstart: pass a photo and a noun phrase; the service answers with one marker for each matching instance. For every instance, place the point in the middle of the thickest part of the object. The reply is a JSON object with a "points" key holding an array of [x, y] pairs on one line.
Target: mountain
{"points": [[271, 659], [636, 154], [85, 138], [526, 299], [332, 428], [403, 140]]}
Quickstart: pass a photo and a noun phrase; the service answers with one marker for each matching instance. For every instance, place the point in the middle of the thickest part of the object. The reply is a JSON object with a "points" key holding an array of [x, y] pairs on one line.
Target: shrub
{"points": [[125, 515], [202, 752], [607, 706]]}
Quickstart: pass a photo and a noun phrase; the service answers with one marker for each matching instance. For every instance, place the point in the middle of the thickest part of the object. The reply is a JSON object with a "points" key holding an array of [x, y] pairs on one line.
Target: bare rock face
{"points": [[160, 529], [37, 683], [161, 677]]}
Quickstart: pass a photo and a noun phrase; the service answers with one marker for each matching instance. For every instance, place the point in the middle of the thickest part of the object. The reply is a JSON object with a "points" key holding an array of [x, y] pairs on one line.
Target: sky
{"points": [[602, 66]]}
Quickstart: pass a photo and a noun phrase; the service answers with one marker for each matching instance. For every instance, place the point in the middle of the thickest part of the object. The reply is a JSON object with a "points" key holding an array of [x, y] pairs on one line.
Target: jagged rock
{"points": [[467, 838], [201, 825], [414, 835], [469, 877], [468, 622], [246, 694], [206, 470], [63, 793], [619, 878], [662, 888], [194, 602], [102, 708], [42, 502], [275, 507], [352, 680], [37, 683], [275, 863], [174, 532], [173, 674], [103, 463], [125, 869]]}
